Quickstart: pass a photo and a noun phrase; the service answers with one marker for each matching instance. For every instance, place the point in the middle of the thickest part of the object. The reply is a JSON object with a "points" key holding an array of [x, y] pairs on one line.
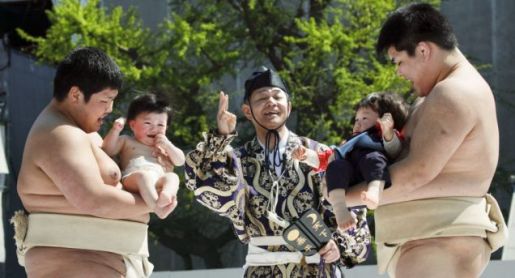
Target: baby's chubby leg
{"points": [[167, 186], [343, 216], [143, 182]]}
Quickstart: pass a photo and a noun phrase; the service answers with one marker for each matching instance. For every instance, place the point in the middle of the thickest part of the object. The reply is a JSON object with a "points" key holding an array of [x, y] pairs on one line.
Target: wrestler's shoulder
{"points": [[450, 94], [58, 135], [68, 132], [95, 138], [461, 87]]}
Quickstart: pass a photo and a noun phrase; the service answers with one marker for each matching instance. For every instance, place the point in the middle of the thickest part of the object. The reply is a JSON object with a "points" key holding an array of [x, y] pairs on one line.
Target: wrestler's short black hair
{"points": [[88, 68], [149, 103], [262, 77], [409, 25], [387, 102]]}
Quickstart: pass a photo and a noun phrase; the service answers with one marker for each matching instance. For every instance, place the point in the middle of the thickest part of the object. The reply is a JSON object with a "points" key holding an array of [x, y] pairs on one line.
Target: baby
{"points": [[148, 118], [362, 156]]}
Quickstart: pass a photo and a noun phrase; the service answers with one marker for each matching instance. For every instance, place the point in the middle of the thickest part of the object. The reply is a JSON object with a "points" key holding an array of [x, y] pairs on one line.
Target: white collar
{"points": [[282, 142]]}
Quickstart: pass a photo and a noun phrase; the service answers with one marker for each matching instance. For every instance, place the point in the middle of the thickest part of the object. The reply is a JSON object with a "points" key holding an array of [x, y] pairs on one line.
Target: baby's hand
{"points": [[163, 159], [387, 123], [161, 141], [306, 156], [119, 123], [299, 153]]}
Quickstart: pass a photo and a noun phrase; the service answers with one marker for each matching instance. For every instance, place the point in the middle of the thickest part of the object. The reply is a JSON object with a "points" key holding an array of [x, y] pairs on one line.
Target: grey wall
{"points": [[29, 89], [152, 12]]}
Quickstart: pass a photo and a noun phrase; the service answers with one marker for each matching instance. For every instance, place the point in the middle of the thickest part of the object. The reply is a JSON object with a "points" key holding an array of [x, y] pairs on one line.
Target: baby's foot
{"points": [[163, 211], [370, 199], [372, 195], [344, 218], [165, 198]]}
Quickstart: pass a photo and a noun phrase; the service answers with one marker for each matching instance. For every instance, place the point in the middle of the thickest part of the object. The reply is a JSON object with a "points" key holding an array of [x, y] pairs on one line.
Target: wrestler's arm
{"points": [[113, 142], [445, 121], [73, 168]]}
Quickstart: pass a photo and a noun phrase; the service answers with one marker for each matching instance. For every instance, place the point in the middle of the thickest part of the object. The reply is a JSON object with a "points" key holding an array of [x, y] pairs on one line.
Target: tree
{"points": [[323, 49]]}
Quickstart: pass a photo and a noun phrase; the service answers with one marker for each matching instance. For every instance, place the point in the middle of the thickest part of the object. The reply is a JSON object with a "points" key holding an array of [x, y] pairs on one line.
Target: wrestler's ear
{"points": [[245, 108], [75, 94], [424, 49]]}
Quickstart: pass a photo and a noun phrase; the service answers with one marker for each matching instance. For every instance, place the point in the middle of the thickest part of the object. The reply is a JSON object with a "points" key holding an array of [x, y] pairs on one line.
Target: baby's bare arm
{"points": [[175, 154], [113, 142], [391, 141]]}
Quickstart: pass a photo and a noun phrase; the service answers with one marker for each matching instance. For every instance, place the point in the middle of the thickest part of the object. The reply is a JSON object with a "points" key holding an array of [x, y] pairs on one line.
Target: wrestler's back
{"points": [[39, 194], [470, 169]]}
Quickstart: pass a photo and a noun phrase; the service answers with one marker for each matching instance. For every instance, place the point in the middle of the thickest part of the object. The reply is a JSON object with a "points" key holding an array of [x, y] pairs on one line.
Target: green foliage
{"points": [[73, 24], [333, 58], [324, 51], [181, 60]]}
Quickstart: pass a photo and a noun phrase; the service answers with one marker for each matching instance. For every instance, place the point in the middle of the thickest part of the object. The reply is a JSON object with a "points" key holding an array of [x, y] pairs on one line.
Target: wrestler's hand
{"points": [[386, 123], [225, 120], [330, 252], [119, 123]]}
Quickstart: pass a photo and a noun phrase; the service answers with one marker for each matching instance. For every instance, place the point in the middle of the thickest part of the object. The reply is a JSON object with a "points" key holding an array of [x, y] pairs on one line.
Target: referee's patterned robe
{"points": [[242, 194]]}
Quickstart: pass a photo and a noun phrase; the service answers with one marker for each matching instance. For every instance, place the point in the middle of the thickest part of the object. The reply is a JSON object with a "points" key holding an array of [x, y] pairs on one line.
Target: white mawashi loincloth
{"points": [[399, 223], [127, 238]]}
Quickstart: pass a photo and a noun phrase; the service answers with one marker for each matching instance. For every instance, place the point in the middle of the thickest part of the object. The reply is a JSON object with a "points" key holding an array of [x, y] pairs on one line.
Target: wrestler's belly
{"points": [[67, 262], [58, 204], [450, 184], [463, 256], [47, 203], [461, 245]]}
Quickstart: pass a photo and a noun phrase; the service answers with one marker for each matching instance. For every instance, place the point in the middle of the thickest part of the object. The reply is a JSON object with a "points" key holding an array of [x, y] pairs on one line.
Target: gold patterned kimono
{"points": [[234, 184]]}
